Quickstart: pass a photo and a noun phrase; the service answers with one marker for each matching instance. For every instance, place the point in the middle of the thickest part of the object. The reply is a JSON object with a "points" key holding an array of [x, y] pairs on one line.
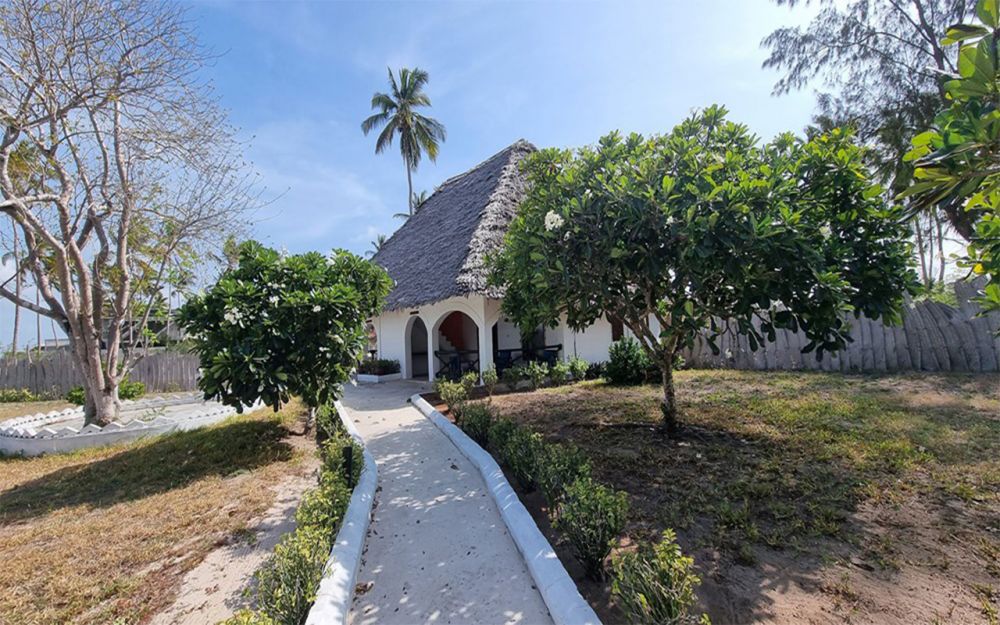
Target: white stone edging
{"points": [[336, 589], [562, 597], [32, 436], [367, 378]]}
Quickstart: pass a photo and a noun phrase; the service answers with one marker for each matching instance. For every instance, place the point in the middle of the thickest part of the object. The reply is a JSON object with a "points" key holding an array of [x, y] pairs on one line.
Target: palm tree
{"points": [[376, 245], [417, 202], [397, 116]]}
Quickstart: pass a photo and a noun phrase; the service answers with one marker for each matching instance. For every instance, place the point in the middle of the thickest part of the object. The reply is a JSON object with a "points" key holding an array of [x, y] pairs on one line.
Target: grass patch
{"points": [[104, 535], [783, 461]]}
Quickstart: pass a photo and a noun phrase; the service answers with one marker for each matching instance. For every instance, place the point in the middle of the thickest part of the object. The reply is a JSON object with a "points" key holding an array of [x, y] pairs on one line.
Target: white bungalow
{"points": [[441, 318]]}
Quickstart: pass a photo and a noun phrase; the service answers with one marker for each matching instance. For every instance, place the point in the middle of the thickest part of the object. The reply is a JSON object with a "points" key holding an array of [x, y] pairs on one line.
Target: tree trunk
{"points": [[409, 184], [101, 407], [921, 252], [669, 404], [17, 291], [940, 246]]}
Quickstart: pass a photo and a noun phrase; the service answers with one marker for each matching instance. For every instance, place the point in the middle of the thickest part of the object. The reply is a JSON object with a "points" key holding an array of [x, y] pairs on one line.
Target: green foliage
{"points": [[451, 393], [535, 372], [469, 380], [706, 223], [332, 452], [627, 362], [277, 326], [126, 390], [476, 421], [499, 433], [519, 453], [956, 160], [490, 380], [379, 366], [578, 368], [558, 466], [592, 516], [288, 580], [328, 422], [596, 370], [8, 395], [559, 373], [249, 617], [512, 375], [323, 507], [657, 585]]}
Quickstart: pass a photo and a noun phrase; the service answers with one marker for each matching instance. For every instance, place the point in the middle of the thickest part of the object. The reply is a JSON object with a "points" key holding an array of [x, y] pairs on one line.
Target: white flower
{"points": [[671, 220], [274, 299], [233, 317], [826, 232], [553, 221], [317, 308]]}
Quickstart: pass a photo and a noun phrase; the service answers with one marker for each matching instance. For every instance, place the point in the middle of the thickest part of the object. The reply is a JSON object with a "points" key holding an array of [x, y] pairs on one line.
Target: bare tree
{"points": [[135, 162]]}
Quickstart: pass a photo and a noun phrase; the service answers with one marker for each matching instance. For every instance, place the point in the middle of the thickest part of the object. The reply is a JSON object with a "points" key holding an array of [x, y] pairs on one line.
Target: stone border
{"points": [[31, 436], [336, 590], [566, 605], [367, 378]]}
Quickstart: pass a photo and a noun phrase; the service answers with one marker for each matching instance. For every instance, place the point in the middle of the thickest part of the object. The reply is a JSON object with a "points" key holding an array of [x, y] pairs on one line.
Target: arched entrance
{"points": [[456, 345], [416, 349]]}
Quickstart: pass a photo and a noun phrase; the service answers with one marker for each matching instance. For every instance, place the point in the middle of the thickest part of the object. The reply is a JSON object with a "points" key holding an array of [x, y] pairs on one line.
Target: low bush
{"points": [[249, 617], [328, 423], [323, 507], [126, 390], [512, 375], [476, 421], [520, 454], [596, 370], [657, 585], [559, 373], [498, 434], [536, 372], [8, 395], [490, 380], [288, 580], [334, 458], [591, 516], [379, 366], [578, 368], [451, 393], [559, 466], [627, 362]]}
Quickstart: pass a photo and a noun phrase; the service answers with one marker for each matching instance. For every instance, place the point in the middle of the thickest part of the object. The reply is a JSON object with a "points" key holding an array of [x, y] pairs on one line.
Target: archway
{"points": [[456, 343], [416, 349]]}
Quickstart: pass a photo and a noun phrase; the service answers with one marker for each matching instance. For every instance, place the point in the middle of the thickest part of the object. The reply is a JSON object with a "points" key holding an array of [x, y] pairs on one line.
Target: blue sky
{"points": [[297, 79]]}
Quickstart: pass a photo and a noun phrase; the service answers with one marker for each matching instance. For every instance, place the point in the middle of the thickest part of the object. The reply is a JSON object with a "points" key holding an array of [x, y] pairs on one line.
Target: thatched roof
{"points": [[440, 251]]}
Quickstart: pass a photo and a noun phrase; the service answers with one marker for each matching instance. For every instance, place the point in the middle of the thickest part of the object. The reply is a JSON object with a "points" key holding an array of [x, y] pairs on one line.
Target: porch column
{"points": [[432, 346], [485, 346]]}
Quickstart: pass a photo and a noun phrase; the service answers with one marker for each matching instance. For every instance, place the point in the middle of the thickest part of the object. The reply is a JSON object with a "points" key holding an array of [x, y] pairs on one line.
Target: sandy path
{"points": [[437, 550], [213, 591]]}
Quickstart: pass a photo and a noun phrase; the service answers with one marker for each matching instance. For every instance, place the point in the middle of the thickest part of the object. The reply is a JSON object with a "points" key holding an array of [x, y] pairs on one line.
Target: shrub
{"points": [[8, 395], [591, 516], [379, 366], [520, 454], [657, 585], [490, 380], [500, 430], [126, 390], [512, 375], [559, 373], [578, 368], [627, 363], [469, 380], [536, 372], [248, 617], [322, 508], [335, 461], [288, 580], [558, 467], [328, 423], [451, 393], [596, 370], [476, 421]]}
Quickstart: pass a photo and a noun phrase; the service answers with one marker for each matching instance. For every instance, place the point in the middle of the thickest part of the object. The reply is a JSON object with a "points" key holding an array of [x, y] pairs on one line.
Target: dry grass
{"points": [[782, 483], [104, 535], [9, 410]]}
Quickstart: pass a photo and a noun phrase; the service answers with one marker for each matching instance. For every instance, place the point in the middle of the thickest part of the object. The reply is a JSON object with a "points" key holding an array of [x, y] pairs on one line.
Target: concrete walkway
{"points": [[437, 550]]}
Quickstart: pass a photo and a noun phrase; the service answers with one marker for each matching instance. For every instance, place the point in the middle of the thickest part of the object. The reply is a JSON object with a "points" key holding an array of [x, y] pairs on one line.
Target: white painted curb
{"points": [[367, 378], [566, 605], [336, 590]]}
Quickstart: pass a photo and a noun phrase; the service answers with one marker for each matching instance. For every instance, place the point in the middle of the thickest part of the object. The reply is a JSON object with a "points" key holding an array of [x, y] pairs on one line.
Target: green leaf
{"points": [[962, 32], [989, 12]]}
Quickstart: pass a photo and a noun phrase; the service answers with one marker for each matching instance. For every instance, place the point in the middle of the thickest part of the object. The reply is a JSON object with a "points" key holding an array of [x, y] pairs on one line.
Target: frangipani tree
{"points": [[276, 326], [671, 234]]}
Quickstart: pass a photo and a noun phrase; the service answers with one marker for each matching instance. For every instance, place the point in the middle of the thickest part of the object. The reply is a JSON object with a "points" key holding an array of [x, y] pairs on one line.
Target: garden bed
{"points": [[802, 497]]}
